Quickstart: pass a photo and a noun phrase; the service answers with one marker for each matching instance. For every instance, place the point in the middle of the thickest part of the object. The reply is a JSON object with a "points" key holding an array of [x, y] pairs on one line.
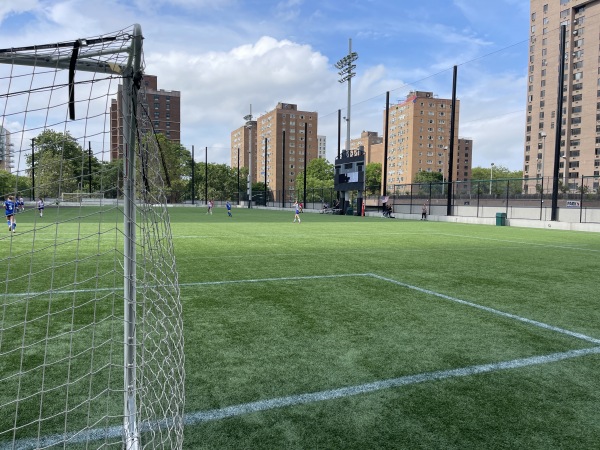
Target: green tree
{"points": [[500, 177], [11, 184], [222, 181], [175, 166], [428, 177], [61, 165], [319, 180], [373, 176], [111, 178]]}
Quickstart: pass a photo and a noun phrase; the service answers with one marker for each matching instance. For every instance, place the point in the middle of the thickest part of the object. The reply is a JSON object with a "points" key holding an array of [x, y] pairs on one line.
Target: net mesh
{"points": [[62, 308]]}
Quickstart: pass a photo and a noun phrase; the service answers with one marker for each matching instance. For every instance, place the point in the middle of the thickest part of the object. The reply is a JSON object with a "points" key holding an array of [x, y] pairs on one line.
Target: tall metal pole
{"points": [[305, 158], [453, 118], [206, 174], [346, 66], [248, 120], [131, 81], [349, 100], [265, 172], [193, 177], [386, 140], [339, 141], [32, 169], [558, 128], [283, 190], [89, 167], [238, 176]]}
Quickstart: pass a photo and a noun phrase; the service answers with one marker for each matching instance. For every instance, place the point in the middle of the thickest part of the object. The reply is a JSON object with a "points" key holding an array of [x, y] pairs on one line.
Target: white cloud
{"points": [[10, 7], [222, 63], [218, 87]]}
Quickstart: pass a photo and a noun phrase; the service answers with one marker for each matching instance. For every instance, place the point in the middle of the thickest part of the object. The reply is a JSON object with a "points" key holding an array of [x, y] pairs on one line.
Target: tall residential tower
{"points": [[580, 87], [281, 159], [419, 140]]}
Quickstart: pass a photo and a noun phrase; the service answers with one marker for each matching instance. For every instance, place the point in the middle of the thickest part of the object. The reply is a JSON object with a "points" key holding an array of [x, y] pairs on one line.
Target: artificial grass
{"points": [[277, 338], [275, 309]]}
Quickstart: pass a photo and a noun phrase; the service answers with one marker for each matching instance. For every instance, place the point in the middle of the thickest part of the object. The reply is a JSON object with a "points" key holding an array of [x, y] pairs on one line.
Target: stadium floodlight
{"points": [[346, 67]]}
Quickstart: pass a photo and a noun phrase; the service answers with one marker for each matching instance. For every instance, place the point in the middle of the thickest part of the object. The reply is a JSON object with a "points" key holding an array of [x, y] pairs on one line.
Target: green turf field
{"points": [[354, 333], [348, 332]]}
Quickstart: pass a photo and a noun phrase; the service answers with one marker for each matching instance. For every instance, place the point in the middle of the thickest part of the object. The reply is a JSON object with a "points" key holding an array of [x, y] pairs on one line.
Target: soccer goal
{"points": [[91, 332], [82, 197]]}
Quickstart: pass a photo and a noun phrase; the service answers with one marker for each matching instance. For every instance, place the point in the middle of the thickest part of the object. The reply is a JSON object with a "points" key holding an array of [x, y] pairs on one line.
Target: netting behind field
{"points": [[91, 334]]}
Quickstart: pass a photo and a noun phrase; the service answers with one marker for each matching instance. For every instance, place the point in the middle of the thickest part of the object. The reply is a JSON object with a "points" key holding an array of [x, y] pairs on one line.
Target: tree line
{"points": [[62, 165]]}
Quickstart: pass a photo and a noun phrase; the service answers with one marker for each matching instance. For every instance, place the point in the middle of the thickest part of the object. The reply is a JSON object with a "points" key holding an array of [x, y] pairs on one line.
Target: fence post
{"points": [[507, 195]]}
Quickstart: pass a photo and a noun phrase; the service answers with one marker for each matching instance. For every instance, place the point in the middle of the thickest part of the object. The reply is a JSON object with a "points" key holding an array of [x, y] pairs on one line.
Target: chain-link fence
{"points": [[577, 201]]}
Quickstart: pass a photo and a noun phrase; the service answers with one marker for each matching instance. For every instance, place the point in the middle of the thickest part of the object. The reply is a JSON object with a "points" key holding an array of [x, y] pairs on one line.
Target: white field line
{"points": [[520, 243], [264, 405], [280, 402], [493, 311], [302, 399], [263, 280]]}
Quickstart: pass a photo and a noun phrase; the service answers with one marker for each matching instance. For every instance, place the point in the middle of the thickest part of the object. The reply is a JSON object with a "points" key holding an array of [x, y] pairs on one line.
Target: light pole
{"points": [[346, 67], [248, 120], [543, 136], [491, 178], [238, 176]]}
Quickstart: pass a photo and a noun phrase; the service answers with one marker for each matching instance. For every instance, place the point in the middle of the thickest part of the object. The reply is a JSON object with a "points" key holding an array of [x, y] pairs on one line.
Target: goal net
{"points": [[91, 332], [78, 197]]}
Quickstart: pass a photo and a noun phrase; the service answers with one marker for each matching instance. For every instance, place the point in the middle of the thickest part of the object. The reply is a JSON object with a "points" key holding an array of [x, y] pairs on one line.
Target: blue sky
{"points": [[224, 55]]}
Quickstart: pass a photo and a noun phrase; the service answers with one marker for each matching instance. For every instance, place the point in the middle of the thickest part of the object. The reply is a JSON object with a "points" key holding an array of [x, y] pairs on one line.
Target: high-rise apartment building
{"points": [[580, 87], [6, 153], [463, 159], [163, 108], [419, 140], [322, 146], [371, 143], [281, 141]]}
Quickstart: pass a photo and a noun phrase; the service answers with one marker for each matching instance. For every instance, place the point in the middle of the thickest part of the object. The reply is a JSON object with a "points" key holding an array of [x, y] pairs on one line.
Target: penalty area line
{"points": [[265, 280], [492, 310], [301, 399]]}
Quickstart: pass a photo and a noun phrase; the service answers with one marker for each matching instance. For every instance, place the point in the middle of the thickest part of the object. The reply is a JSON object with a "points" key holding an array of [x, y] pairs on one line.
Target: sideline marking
{"points": [[535, 244]]}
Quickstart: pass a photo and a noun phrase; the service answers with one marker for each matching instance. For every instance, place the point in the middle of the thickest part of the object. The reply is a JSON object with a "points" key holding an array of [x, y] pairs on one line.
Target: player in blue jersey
{"points": [[21, 204], [228, 206], [9, 210], [297, 215]]}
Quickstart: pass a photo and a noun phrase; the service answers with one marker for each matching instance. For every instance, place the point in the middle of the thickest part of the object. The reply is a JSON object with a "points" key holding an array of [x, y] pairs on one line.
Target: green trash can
{"points": [[350, 212], [500, 219]]}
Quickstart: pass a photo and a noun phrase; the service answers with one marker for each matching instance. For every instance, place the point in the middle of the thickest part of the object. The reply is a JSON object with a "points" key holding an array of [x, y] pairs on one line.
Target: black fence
{"points": [[518, 198]]}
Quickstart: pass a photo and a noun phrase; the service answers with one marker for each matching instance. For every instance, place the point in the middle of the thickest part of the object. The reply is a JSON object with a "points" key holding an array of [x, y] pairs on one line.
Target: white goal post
{"points": [[91, 330]]}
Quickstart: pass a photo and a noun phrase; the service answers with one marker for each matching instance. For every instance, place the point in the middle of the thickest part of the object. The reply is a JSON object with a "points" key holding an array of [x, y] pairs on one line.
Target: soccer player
{"points": [[21, 204], [9, 211], [228, 206], [297, 215], [40, 206]]}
